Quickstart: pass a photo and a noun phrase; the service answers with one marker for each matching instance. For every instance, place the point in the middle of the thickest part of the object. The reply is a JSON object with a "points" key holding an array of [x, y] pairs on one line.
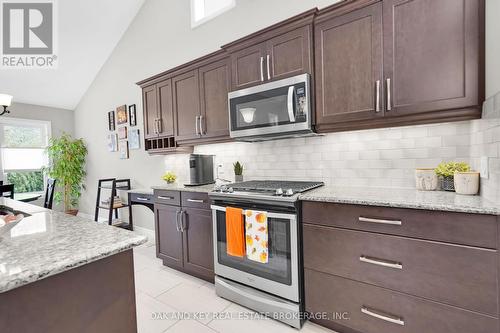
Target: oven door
{"points": [[271, 108], [279, 276]]}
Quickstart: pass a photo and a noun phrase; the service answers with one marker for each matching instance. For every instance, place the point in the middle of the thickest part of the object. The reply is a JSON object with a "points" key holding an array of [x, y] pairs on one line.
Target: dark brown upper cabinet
{"points": [[280, 51], [349, 66], [158, 117], [432, 55], [186, 105], [398, 62]]}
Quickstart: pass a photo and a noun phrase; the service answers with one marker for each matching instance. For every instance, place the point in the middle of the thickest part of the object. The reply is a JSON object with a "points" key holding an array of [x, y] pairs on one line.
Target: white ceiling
{"points": [[88, 32]]}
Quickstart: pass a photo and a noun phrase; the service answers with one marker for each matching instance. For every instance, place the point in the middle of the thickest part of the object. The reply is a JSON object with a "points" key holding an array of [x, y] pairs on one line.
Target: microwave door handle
{"points": [[291, 114]]}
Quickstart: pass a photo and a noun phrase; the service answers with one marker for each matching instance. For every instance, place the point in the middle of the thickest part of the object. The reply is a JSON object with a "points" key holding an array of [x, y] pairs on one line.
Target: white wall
{"points": [[160, 38], [492, 47]]}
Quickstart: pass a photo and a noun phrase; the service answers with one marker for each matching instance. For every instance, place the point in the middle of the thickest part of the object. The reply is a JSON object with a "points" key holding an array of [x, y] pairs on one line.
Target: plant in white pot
{"points": [[238, 171], [446, 172]]}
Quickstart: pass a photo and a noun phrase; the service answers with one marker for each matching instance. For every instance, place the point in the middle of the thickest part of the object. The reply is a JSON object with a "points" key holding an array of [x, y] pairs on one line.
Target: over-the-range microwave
{"points": [[273, 110]]}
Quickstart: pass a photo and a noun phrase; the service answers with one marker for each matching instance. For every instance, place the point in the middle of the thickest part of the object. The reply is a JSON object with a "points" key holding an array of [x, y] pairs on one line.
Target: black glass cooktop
{"points": [[273, 185]]}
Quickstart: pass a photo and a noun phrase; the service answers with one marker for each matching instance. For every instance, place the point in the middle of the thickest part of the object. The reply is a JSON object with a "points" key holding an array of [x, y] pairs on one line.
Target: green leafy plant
{"points": [[448, 169], [67, 166], [169, 177], [238, 168]]}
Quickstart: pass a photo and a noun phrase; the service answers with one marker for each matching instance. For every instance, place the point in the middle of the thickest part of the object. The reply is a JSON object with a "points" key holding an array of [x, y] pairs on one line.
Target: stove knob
{"points": [[230, 190], [279, 191], [289, 192]]}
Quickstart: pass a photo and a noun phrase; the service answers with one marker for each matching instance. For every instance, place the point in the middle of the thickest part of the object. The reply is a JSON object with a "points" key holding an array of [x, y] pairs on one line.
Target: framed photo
{"points": [[123, 149], [134, 139], [121, 115], [111, 120], [132, 115], [112, 142], [122, 132]]}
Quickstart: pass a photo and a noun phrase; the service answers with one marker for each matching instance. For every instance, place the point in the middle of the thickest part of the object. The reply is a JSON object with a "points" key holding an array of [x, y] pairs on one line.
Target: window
{"points": [[22, 153], [205, 10]]}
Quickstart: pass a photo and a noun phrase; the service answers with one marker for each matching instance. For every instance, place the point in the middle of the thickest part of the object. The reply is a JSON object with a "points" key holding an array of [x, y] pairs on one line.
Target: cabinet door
{"points": [[247, 66], [289, 54], [186, 105], [150, 111], [214, 86], [431, 54], [166, 117], [168, 238], [348, 67], [198, 247]]}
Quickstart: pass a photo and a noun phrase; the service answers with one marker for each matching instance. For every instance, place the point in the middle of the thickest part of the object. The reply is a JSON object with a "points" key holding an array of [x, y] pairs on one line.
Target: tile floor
{"points": [[161, 290]]}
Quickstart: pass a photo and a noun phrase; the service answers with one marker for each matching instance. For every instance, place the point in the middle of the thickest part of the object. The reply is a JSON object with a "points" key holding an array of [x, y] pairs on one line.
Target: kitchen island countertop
{"points": [[403, 198]]}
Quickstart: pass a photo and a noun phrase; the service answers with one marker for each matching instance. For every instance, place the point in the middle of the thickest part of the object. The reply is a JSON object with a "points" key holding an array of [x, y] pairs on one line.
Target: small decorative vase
{"points": [[466, 182], [238, 178], [447, 184], [426, 180]]}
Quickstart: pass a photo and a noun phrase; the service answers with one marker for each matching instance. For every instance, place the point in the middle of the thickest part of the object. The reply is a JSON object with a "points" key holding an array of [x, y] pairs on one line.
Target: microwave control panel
{"points": [[301, 104]]}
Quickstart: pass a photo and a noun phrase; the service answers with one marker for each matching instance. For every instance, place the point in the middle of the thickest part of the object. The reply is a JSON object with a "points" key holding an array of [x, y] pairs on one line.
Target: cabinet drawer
{"points": [[167, 197], [372, 309], [195, 200], [452, 274], [460, 228], [142, 197]]}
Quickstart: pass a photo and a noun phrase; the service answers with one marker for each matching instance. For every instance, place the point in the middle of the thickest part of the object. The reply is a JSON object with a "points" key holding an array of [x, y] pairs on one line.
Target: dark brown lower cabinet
{"points": [[184, 234], [371, 271]]}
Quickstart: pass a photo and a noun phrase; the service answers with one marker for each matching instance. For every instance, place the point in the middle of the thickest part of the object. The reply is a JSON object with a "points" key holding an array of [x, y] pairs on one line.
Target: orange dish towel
{"points": [[235, 232]]}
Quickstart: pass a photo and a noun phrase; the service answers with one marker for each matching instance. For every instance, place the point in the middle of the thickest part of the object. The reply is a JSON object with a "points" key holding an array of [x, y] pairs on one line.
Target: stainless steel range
{"points": [[274, 285]]}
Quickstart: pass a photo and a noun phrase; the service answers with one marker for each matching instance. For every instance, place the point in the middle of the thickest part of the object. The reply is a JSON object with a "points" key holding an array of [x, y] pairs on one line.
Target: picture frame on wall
{"points": [[112, 142], [123, 149], [111, 120], [134, 140], [132, 115], [122, 132], [121, 115]]}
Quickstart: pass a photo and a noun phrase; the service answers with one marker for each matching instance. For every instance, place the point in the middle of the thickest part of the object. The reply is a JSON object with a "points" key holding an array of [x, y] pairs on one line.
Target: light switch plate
{"points": [[484, 167]]}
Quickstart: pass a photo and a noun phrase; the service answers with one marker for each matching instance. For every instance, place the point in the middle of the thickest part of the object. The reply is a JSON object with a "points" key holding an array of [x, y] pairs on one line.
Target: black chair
{"points": [[49, 193], [7, 191]]}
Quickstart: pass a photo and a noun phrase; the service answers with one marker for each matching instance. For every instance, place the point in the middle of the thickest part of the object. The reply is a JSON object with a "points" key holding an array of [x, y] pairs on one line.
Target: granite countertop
{"points": [[403, 198], [50, 242], [180, 187]]}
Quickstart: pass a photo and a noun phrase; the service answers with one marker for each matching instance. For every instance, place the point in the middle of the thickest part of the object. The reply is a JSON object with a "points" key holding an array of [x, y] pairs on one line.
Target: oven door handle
{"points": [[271, 215], [291, 115]]}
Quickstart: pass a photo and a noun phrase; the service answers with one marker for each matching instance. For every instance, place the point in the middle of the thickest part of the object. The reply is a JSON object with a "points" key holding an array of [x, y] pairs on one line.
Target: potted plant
{"points": [[238, 171], [446, 171], [169, 177], [67, 166]]}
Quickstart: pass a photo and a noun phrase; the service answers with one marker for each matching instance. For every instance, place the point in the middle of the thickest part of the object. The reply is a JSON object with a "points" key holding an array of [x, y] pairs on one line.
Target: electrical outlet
{"points": [[484, 167]]}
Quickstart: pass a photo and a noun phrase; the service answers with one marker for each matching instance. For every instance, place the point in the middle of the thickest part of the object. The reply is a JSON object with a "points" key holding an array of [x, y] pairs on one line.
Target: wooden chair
{"points": [[49, 193], [7, 191]]}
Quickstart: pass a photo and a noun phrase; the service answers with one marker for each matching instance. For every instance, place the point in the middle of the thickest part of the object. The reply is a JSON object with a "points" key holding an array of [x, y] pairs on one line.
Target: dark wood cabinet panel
{"points": [[165, 115], [432, 53], [168, 238], [462, 276], [186, 105], [215, 83], [348, 51], [289, 54], [248, 66], [371, 309], [150, 111], [198, 247]]}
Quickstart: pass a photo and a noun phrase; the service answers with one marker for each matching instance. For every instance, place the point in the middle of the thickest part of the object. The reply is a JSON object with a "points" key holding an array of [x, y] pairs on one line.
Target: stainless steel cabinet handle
{"points": [[381, 262], [262, 68], [160, 127], [156, 126], [389, 107], [268, 68], [196, 200], [196, 122], [182, 221], [377, 96], [202, 130], [141, 199], [177, 214], [165, 198], [383, 316], [380, 221]]}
